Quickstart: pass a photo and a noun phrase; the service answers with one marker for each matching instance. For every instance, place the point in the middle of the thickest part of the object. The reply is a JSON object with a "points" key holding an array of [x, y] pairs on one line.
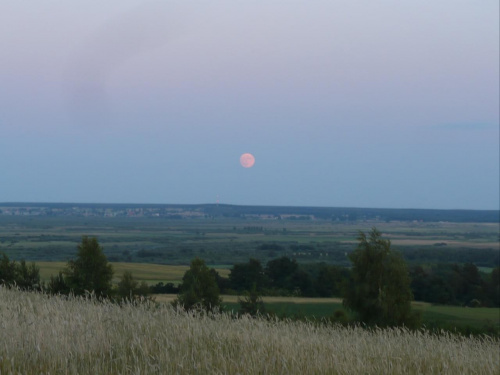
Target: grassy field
{"points": [[479, 317], [42, 334]]}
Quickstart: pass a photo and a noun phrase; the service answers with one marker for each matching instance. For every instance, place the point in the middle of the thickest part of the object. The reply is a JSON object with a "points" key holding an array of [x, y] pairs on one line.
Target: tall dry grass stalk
{"points": [[50, 335]]}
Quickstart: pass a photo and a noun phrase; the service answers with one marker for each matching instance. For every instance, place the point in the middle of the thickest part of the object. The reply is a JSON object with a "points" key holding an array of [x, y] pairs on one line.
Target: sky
{"points": [[343, 103]]}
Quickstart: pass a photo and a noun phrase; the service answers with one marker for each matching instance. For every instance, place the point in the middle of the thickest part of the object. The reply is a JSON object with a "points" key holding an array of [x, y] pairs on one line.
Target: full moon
{"points": [[247, 160]]}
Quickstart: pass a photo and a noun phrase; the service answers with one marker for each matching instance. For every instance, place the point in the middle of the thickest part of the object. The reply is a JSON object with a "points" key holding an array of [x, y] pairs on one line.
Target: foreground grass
{"points": [[42, 334]]}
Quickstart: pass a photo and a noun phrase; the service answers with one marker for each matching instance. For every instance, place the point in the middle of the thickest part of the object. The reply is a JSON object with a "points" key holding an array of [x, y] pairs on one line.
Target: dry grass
{"points": [[41, 334], [166, 298]]}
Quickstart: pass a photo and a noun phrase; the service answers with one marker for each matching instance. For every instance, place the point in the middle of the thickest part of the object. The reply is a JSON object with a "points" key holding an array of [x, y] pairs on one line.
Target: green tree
{"points": [[20, 274], [244, 275], [329, 280], [467, 283], [7, 270], [199, 288], [28, 276], [493, 287], [280, 272], [379, 288], [129, 288], [58, 285], [252, 302], [90, 271]]}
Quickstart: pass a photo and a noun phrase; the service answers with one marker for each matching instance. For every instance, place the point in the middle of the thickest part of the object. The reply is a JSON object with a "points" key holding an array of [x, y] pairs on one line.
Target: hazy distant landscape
{"points": [[228, 234]]}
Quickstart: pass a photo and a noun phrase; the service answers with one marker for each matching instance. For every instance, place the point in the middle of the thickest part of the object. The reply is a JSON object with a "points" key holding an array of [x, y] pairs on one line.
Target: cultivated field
{"points": [[225, 241], [42, 334], [150, 273]]}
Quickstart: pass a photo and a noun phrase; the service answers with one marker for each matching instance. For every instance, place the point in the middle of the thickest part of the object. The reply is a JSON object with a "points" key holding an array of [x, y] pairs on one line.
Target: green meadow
{"points": [[450, 317]]}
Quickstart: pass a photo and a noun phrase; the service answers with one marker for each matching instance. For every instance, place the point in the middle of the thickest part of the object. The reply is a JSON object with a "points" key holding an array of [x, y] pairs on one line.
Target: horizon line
{"points": [[243, 205]]}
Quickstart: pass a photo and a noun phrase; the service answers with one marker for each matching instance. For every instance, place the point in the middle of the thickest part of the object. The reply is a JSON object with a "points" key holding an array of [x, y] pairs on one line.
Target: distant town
{"points": [[210, 211], [99, 211]]}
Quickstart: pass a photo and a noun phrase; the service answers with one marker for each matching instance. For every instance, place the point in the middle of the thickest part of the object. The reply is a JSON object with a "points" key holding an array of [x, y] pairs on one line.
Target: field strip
{"points": [[466, 244], [267, 299], [274, 299], [140, 271]]}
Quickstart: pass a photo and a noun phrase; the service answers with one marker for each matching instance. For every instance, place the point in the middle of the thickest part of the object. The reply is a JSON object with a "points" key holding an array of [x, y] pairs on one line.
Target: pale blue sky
{"points": [[343, 103]]}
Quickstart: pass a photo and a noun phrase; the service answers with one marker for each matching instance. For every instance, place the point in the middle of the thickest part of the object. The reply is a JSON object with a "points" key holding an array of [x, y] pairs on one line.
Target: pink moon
{"points": [[247, 160]]}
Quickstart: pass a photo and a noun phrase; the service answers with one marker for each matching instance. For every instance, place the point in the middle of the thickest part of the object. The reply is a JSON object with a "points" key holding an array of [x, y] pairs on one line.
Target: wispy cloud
{"points": [[465, 126]]}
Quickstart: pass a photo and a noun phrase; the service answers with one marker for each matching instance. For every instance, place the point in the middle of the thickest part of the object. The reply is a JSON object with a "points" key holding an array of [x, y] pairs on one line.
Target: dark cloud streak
{"points": [[138, 31]]}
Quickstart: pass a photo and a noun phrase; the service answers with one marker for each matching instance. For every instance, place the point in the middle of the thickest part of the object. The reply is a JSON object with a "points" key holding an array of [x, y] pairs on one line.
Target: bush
{"points": [[251, 303], [379, 290], [199, 288], [19, 274], [90, 271], [129, 288]]}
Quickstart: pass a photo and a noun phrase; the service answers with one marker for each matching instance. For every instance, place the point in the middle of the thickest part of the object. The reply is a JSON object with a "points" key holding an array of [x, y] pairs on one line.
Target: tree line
{"points": [[89, 272], [447, 284]]}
